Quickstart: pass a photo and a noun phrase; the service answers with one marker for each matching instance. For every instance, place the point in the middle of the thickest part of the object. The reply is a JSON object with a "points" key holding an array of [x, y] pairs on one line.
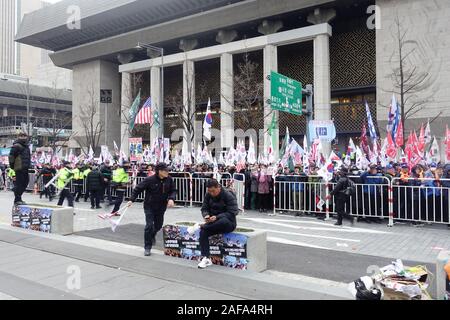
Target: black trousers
{"points": [[339, 202], [107, 189], [21, 184], [95, 198], [78, 191], [154, 220], [221, 226], [119, 199], [65, 193], [264, 201]]}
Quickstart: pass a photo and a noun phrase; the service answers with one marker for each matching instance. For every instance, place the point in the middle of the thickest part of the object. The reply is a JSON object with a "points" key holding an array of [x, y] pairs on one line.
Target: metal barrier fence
{"points": [[421, 200], [191, 188], [414, 200], [380, 198]]}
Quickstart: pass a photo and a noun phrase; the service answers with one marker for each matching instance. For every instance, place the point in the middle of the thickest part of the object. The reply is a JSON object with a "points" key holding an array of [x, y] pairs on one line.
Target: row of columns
{"points": [[322, 86]]}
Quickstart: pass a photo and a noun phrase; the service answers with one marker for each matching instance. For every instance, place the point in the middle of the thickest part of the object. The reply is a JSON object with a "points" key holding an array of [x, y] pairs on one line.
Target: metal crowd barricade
{"points": [[183, 183], [299, 195], [302, 194], [238, 187], [423, 200], [199, 180]]}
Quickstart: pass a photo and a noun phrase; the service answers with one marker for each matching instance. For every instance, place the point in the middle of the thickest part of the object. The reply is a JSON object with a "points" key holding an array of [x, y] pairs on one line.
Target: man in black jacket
{"points": [[160, 193], [94, 185], [20, 161], [219, 210], [340, 198]]}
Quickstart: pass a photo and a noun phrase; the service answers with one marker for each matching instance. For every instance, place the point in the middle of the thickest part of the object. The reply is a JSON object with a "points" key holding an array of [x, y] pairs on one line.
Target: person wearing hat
{"points": [[340, 196], [106, 172], [160, 193], [372, 180], [120, 180], [94, 186], [64, 176], [87, 170], [78, 179], [20, 162], [312, 189]]}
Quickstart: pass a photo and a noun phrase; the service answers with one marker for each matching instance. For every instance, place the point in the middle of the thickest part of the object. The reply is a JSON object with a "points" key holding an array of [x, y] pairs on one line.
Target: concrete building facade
{"points": [[24, 60], [8, 22], [332, 45]]}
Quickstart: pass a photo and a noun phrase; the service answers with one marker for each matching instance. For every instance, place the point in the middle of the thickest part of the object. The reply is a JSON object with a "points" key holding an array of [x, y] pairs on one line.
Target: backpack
{"points": [[351, 188]]}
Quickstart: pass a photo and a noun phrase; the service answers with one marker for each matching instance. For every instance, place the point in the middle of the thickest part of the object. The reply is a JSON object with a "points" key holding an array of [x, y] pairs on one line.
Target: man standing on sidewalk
{"points": [[20, 161], [94, 185], [160, 193], [341, 193]]}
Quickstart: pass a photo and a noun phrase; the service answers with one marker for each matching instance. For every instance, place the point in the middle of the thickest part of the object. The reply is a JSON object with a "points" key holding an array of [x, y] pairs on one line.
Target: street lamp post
{"points": [[161, 106]]}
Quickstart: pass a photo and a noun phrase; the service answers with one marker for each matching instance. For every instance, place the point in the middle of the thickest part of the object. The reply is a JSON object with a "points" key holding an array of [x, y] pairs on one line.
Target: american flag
{"points": [[145, 114]]}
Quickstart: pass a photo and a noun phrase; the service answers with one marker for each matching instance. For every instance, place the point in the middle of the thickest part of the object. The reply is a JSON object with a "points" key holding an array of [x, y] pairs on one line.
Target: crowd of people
{"points": [[421, 193]]}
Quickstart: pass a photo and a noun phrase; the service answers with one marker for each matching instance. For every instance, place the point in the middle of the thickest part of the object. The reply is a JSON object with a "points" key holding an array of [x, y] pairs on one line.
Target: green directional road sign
{"points": [[286, 94]]}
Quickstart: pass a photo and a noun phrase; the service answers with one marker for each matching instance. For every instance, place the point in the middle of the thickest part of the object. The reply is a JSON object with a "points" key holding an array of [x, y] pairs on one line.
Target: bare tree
{"points": [[58, 124], [91, 125], [184, 110], [411, 80]]}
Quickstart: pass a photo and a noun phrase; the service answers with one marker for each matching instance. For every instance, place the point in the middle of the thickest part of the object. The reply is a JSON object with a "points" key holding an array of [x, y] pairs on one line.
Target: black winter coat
{"points": [[223, 206], [94, 181], [19, 156], [157, 192], [340, 187]]}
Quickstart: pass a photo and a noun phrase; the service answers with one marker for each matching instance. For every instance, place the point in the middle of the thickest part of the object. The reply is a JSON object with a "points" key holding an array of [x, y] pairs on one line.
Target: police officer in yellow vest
{"points": [[63, 183], [78, 179], [86, 171], [120, 179]]}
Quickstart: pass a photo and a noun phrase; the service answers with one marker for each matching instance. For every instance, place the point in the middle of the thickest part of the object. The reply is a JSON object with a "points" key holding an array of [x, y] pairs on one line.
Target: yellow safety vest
{"points": [[64, 176]]}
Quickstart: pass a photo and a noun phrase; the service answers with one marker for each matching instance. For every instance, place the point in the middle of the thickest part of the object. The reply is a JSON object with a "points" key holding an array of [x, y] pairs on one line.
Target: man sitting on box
{"points": [[219, 211]]}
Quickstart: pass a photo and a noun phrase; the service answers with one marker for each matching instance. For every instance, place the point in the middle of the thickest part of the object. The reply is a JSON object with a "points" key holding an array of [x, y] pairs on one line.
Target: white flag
{"points": [[207, 123]]}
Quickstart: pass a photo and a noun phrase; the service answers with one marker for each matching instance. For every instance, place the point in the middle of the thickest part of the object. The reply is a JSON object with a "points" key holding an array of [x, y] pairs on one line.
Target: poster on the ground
{"points": [[227, 250], [136, 149]]}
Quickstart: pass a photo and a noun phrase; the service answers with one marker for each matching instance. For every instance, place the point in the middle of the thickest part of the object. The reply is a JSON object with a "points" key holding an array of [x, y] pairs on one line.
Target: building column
{"points": [[5, 111], [189, 103], [322, 81], [189, 94], [227, 100], [155, 94], [126, 101], [270, 64]]}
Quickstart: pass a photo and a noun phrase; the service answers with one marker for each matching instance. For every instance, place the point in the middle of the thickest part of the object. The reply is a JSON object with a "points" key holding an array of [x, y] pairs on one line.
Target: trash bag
{"points": [[364, 289]]}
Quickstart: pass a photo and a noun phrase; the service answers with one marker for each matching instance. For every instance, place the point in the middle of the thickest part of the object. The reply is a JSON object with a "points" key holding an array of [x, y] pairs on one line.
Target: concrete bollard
{"points": [[48, 219], [441, 275], [244, 249]]}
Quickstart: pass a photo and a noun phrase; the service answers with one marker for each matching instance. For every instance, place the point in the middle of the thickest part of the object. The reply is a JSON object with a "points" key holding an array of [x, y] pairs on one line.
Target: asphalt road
{"points": [[312, 262]]}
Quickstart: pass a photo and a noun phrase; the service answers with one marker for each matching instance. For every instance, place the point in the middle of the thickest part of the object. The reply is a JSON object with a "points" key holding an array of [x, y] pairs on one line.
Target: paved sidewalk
{"points": [[401, 241], [40, 266]]}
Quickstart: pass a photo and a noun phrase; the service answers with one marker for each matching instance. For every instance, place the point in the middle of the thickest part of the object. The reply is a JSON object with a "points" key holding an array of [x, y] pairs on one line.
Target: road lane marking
{"points": [[310, 235], [295, 243], [325, 228]]}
